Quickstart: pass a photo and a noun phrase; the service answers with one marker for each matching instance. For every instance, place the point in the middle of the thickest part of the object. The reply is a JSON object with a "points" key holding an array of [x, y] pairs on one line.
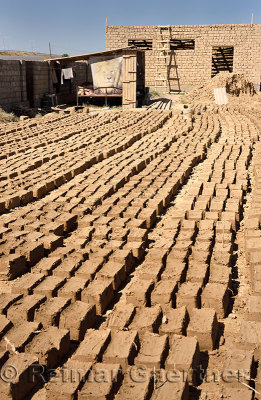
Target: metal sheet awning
{"points": [[82, 57]]}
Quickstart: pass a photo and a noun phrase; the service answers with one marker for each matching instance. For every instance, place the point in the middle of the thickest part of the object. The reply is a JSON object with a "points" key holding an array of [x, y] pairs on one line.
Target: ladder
{"points": [[165, 60]]}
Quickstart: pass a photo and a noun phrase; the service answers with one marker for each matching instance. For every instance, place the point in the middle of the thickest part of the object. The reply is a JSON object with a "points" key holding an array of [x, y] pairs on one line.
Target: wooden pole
{"points": [[50, 50], [106, 21], [252, 19]]}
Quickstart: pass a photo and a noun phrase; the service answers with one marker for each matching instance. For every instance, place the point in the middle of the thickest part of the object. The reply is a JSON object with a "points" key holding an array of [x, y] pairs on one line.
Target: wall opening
{"points": [[222, 59], [184, 44], [143, 44]]}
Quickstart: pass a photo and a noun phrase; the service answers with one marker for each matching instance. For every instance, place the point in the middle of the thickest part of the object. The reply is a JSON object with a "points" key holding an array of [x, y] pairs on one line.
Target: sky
{"points": [[76, 27]]}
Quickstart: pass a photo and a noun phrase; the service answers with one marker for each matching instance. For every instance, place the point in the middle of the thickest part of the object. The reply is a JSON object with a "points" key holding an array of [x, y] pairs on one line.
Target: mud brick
{"points": [[49, 312], [135, 390], [102, 221], [99, 293], [189, 295], [46, 265], [24, 308], [68, 220], [138, 235], [150, 270], [224, 238], [254, 310], [89, 268], [23, 383], [175, 269], [147, 319], [6, 300], [221, 255], [184, 356], [204, 326], [121, 316], [122, 348], [252, 246], [5, 325], [174, 321], [153, 350], [220, 274], [50, 346], [229, 216], [87, 221], [26, 283], [52, 227], [238, 365], [138, 292], [102, 232], [86, 316], [124, 256], [12, 266], [201, 251], [149, 215], [68, 266], [50, 286], [93, 345], [173, 388], [103, 381], [249, 337], [12, 202], [66, 389], [72, 288], [39, 191], [135, 223], [101, 253], [164, 293], [114, 244], [51, 242], [216, 296], [114, 271], [137, 248], [195, 215], [255, 258], [157, 255], [19, 336], [197, 272], [4, 232]]}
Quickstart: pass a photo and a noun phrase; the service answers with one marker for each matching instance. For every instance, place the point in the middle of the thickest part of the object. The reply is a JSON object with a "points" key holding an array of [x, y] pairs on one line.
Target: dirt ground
{"points": [[130, 254]]}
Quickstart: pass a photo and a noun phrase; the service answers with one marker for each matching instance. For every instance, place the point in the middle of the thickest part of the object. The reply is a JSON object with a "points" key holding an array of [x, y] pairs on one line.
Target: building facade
{"points": [[197, 52]]}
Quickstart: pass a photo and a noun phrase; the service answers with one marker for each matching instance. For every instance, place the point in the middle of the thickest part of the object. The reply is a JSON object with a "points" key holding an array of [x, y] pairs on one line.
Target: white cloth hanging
{"points": [[67, 73]]}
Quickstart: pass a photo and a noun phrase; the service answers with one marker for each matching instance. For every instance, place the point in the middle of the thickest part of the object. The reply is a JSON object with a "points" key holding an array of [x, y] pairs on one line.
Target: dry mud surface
{"points": [[130, 256]]}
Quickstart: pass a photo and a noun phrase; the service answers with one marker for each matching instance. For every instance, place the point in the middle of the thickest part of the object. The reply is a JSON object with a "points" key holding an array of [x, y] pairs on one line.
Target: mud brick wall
{"points": [[12, 83], [194, 66], [67, 92]]}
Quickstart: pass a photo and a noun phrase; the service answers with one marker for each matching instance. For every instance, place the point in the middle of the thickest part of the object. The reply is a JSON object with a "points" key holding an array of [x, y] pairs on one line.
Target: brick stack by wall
{"points": [[194, 66]]}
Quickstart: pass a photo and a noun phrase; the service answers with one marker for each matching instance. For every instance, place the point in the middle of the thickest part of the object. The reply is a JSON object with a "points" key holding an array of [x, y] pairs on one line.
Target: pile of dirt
{"points": [[235, 84]]}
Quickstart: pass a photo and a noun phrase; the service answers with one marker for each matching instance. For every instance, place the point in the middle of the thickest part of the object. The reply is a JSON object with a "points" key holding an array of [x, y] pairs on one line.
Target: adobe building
{"points": [[184, 56]]}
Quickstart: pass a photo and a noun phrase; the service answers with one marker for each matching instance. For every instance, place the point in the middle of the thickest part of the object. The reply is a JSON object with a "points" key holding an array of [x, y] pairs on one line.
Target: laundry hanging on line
{"points": [[67, 73]]}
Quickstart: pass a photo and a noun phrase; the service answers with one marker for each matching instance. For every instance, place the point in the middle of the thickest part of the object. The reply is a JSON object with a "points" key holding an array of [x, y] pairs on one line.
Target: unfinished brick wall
{"points": [[12, 83], [25, 83], [194, 66]]}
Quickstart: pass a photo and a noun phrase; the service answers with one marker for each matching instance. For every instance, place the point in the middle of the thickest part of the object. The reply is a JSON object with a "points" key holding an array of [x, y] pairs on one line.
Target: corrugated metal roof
{"points": [[86, 56]]}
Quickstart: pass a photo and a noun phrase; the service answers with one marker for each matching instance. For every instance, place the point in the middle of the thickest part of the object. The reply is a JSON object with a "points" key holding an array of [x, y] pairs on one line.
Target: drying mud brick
{"points": [[103, 381], [189, 295], [184, 356], [46, 265], [93, 345], [172, 390], [204, 326], [6, 300], [86, 316], [164, 293], [50, 346], [174, 321], [147, 319], [26, 283], [132, 388], [19, 336], [138, 292], [99, 293], [122, 348], [12, 266], [216, 296], [22, 384], [68, 380], [24, 308], [114, 271], [72, 288], [121, 316], [153, 350], [48, 314], [49, 286], [5, 325], [238, 366]]}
